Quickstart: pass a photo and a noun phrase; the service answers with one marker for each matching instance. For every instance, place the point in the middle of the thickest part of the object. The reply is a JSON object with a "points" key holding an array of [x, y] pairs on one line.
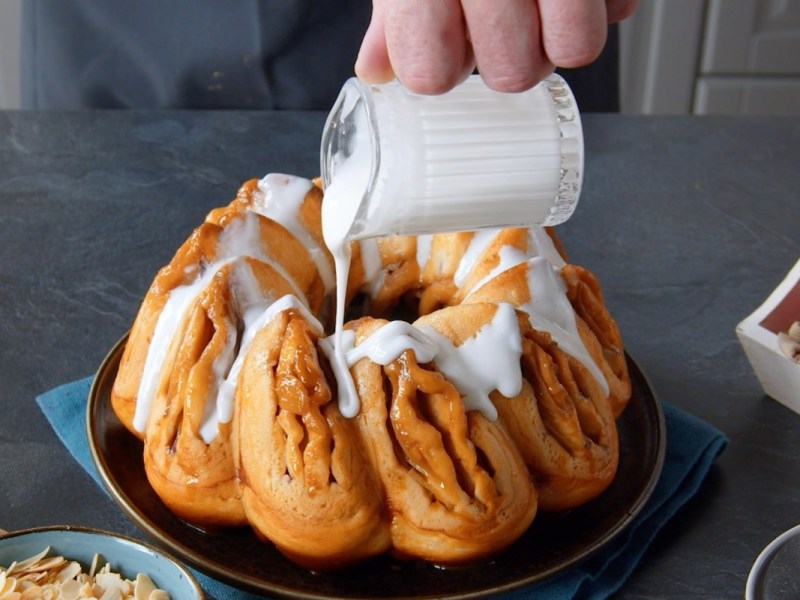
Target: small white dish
{"points": [[760, 335], [126, 556]]}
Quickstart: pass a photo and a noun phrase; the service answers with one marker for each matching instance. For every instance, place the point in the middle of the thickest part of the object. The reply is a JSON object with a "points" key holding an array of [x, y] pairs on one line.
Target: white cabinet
{"points": [[712, 57]]}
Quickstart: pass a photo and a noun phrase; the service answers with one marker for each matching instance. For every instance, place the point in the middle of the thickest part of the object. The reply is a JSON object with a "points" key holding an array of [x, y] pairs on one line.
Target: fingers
{"points": [[431, 45], [507, 43], [573, 31], [425, 44]]}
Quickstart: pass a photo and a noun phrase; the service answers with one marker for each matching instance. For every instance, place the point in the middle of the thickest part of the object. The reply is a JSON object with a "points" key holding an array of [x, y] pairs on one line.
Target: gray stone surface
{"points": [[688, 222]]}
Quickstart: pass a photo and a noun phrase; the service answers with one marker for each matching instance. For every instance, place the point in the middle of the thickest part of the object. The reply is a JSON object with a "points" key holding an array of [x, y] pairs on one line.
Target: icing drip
{"points": [[549, 310], [339, 211], [480, 240], [510, 256], [168, 321], [423, 250], [382, 347], [490, 360], [256, 316], [348, 397], [335, 230], [280, 200], [486, 362], [390, 341], [373, 266], [541, 244], [242, 238]]}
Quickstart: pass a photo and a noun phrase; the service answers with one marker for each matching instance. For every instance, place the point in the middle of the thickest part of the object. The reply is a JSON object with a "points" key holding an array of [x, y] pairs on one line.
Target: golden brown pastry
{"points": [[456, 487], [499, 401], [307, 486], [199, 333]]}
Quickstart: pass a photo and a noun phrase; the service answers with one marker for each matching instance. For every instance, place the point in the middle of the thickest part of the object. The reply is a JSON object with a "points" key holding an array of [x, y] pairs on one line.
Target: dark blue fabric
{"points": [[692, 446]]}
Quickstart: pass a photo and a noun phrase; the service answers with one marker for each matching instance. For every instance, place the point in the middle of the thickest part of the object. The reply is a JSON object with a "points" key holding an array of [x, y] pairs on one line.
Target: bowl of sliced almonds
{"points": [[78, 562]]}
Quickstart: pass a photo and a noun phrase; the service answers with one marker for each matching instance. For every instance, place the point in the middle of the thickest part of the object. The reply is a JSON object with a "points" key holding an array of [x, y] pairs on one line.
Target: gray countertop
{"points": [[688, 222]]}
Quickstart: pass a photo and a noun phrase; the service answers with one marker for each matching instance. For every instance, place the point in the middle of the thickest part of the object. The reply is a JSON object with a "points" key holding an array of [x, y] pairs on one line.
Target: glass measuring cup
{"points": [[395, 162]]}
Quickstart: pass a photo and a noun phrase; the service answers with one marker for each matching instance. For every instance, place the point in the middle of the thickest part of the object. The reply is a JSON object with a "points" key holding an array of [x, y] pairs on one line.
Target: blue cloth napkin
{"points": [[692, 446]]}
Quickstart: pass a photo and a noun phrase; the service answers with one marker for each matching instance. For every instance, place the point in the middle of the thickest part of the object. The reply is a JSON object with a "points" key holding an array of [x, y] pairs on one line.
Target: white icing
{"points": [[249, 300], [340, 206], [338, 359], [390, 341], [256, 317], [423, 250], [383, 346], [171, 316], [373, 266], [240, 238], [549, 310], [508, 257], [486, 362], [541, 244], [336, 222], [280, 200], [221, 368], [477, 245], [336, 348]]}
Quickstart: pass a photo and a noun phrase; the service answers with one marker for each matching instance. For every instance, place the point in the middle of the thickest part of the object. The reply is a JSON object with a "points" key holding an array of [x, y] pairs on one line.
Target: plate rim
{"points": [[245, 582]]}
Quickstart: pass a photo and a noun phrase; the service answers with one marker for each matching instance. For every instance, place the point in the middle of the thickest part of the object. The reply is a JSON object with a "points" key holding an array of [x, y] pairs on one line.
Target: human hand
{"points": [[432, 45]]}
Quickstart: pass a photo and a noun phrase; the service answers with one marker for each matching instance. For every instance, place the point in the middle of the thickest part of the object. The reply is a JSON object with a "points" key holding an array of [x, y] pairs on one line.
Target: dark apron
{"points": [[235, 54], [227, 54]]}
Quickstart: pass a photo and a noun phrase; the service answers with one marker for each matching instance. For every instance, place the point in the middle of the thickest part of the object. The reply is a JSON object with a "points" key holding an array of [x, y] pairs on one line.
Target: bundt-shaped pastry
{"points": [[498, 400]]}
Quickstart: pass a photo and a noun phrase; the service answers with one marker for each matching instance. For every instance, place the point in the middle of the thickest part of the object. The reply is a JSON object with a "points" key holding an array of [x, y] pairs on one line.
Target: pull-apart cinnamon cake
{"points": [[486, 377]]}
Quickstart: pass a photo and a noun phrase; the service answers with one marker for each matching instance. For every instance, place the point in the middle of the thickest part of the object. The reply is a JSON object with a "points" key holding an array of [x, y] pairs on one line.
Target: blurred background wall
{"points": [[711, 57], [677, 57]]}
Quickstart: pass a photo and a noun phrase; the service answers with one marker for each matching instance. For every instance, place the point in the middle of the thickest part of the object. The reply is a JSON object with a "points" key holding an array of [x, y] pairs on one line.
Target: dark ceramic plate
{"points": [[236, 556]]}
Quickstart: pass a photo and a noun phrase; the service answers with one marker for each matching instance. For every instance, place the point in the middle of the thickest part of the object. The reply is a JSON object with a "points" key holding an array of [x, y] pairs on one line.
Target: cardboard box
{"points": [[759, 333]]}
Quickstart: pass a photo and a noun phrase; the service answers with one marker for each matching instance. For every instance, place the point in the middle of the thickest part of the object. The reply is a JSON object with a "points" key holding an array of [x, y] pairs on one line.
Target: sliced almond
{"points": [[42, 577], [789, 346], [794, 331], [70, 590], [70, 571], [24, 565], [144, 587]]}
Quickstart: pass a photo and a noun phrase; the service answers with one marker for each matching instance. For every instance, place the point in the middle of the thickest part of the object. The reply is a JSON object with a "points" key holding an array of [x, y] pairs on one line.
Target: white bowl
{"points": [[774, 573]]}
